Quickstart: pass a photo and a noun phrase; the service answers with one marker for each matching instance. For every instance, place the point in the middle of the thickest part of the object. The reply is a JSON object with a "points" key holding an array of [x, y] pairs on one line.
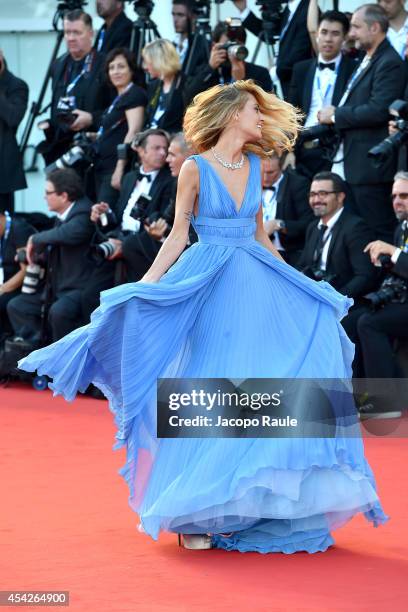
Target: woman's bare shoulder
{"points": [[189, 171]]}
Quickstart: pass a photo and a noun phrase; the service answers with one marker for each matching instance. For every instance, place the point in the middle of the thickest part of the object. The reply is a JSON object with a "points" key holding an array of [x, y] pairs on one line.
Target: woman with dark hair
{"points": [[119, 124], [165, 107]]}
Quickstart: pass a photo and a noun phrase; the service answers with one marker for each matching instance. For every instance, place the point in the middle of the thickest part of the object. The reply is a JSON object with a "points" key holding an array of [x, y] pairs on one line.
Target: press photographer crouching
{"points": [[121, 232], [62, 250], [79, 91], [334, 246], [14, 234], [227, 61], [388, 318]]}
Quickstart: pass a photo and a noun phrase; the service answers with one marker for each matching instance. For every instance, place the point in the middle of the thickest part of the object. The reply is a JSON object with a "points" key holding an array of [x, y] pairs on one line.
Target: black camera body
{"points": [[317, 274], [385, 151], [272, 14], [65, 107], [324, 137], [393, 290]]}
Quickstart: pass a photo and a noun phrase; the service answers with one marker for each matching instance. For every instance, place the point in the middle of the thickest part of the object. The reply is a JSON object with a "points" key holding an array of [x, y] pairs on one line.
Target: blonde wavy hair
{"points": [[163, 56], [211, 110]]}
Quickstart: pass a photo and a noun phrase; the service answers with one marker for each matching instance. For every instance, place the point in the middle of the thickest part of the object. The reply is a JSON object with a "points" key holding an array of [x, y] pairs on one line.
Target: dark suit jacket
{"points": [[301, 86], [355, 274], [207, 77], [292, 206], [200, 54], [69, 266], [363, 120], [92, 92], [13, 105], [294, 46], [172, 118], [401, 267], [141, 243], [117, 35]]}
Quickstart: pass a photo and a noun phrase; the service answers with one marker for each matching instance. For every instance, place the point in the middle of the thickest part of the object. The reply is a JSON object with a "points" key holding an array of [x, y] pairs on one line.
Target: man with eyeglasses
{"points": [[64, 248], [334, 246], [378, 329]]}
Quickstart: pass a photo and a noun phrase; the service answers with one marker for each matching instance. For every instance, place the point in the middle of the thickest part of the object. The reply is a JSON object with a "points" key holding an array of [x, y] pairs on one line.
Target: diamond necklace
{"points": [[229, 165]]}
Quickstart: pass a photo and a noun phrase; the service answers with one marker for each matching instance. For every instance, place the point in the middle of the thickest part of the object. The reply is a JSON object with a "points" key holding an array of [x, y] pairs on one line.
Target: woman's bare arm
{"points": [[173, 246], [262, 237]]}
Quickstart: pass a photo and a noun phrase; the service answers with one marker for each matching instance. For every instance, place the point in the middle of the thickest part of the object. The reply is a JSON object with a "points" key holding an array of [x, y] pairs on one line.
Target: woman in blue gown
{"points": [[227, 307]]}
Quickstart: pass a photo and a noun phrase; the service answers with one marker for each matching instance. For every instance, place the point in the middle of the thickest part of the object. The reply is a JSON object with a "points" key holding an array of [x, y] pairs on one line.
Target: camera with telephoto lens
{"points": [[390, 145], [272, 15], [34, 273], [317, 136], [80, 156], [393, 288], [234, 46]]}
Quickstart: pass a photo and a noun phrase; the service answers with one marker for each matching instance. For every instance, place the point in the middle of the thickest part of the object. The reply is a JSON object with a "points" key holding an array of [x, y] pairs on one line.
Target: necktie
{"points": [[141, 176], [320, 244], [330, 66]]}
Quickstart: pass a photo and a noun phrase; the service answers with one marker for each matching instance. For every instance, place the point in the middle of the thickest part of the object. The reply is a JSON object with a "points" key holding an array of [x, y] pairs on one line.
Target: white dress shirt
{"points": [[142, 186], [398, 38], [63, 216], [269, 203], [328, 236], [324, 83]]}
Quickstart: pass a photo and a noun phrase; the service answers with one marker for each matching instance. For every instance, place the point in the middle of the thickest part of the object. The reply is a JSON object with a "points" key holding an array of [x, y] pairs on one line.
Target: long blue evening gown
{"points": [[226, 308]]}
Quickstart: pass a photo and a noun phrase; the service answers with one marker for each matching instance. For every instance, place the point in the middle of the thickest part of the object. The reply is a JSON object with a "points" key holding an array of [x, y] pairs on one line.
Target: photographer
{"points": [[225, 65], [377, 329], [165, 106], [334, 247], [13, 105], [117, 28], [398, 19], [317, 83], [79, 91], [64, 250], [285, 205], [184, 26], [144, 196], [294, 41], [14, 234], [120, 123], [361, 117]]}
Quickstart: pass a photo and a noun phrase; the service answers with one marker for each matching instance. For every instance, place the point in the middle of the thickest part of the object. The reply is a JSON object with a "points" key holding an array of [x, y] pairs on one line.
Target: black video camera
{"points": [[390, 145], [272, 15]]}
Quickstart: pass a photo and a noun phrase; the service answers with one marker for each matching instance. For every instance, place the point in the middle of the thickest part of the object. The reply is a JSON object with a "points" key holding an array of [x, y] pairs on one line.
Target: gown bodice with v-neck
{"points": [[228, 308]]}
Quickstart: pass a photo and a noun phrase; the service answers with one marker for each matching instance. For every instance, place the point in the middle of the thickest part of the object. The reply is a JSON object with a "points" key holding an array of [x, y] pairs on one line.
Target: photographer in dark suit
{"points": [[378, 329], [224, 67], [294, 42], [286, 210], [68, 269], [79, 90], [193, 48], [362, 119], [334, 247], [117, 29], [125, 230], [319, 82], [13, 105]]}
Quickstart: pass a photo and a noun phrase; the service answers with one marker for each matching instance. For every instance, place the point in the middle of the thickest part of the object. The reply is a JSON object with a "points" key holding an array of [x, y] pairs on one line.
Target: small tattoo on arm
{"points": [[188, 215]]}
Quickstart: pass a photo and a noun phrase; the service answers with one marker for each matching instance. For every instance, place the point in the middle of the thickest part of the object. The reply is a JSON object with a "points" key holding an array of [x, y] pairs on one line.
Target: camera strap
{"points": [[86, 69], [110, 109], [3, 242], [404, 237]]}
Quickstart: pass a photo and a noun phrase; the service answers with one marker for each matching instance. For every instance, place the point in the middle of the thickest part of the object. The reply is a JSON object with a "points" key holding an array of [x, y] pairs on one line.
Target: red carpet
{"points": [[65, 525]]}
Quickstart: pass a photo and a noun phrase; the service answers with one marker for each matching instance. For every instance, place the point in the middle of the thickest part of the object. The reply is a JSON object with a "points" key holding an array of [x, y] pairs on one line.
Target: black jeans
{"points": [[376, 332]]}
